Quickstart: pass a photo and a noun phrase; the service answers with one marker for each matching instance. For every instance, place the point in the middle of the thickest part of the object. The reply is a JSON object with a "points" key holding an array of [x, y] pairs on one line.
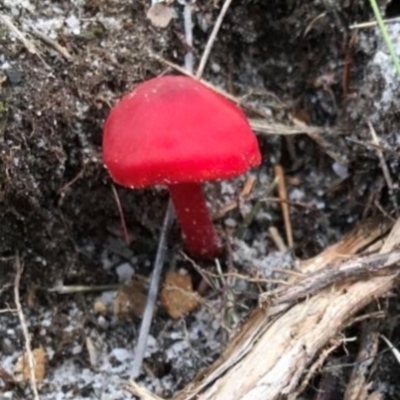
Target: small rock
{"points": [[340, 170], [74, 24], [125, 272], [6, 346], [14, 76], [160, 15], [121, 355]]}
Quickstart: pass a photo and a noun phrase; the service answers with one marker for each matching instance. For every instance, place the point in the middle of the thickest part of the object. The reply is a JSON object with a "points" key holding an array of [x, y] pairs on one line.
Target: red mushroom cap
{"points": [[173, 129]]}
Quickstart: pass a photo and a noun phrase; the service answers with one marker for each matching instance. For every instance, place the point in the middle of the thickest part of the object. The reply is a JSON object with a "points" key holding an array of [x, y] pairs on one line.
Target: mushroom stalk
{"points": [[198, 231]]}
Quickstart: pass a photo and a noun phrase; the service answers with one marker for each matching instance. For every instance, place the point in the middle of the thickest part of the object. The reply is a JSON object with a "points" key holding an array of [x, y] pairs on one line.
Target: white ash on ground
{"points": [[255, 260]]}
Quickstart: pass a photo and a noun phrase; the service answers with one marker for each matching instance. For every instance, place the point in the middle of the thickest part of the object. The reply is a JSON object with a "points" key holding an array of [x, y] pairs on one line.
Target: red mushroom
{"points": [[174, 131]]}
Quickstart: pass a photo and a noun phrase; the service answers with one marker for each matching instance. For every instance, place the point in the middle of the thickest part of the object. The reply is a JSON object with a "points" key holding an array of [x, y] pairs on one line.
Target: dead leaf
{"points": [[40, 361], [160, 15], [177, 295]]}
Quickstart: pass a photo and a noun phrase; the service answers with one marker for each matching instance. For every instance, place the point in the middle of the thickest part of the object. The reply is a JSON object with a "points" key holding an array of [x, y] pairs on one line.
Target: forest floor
{"points": [[323, 97]]}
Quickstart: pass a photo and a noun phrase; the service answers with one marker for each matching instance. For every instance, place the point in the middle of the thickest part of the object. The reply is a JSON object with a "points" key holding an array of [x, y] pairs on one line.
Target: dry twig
{"points": [[269, 127], [358, 268], [69, 289], [277, 239], [52, 43], [244, 193], [153, 292], [141, 392], [372, 24], [254, 211], [25, 332], [282, 192], [121, 215], [188, 27], [8, 310], [22, 38], [384, 167], [183, 71], [394, 350], [212, 38]]}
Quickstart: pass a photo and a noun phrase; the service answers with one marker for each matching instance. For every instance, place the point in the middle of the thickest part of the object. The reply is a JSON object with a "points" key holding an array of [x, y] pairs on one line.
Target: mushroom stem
{"points": [[198, 231]]}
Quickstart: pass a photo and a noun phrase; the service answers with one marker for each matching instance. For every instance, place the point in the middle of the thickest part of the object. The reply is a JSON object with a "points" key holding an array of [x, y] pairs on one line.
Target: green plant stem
{"points": [[385, 34]]}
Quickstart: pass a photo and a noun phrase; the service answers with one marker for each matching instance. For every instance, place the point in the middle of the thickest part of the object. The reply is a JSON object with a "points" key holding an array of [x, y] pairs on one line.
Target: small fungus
{"points": [[174, 131]]}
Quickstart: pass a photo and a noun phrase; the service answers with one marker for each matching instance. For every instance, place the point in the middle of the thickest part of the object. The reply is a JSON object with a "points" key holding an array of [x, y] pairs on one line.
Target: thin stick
{"points": [[384, 167], [268, 126], [364, 266], [8, 310], [25, 332], [27, 43], [141, 392], [277, 239], [78, 176], [204, 275], [395, 352], [69, 289], [244, 193], [371, 24], [188, 24], [52, 43], [279, 174], [254, 211], [153, 291], [183, 71], [211, 39], [121, 215]]}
